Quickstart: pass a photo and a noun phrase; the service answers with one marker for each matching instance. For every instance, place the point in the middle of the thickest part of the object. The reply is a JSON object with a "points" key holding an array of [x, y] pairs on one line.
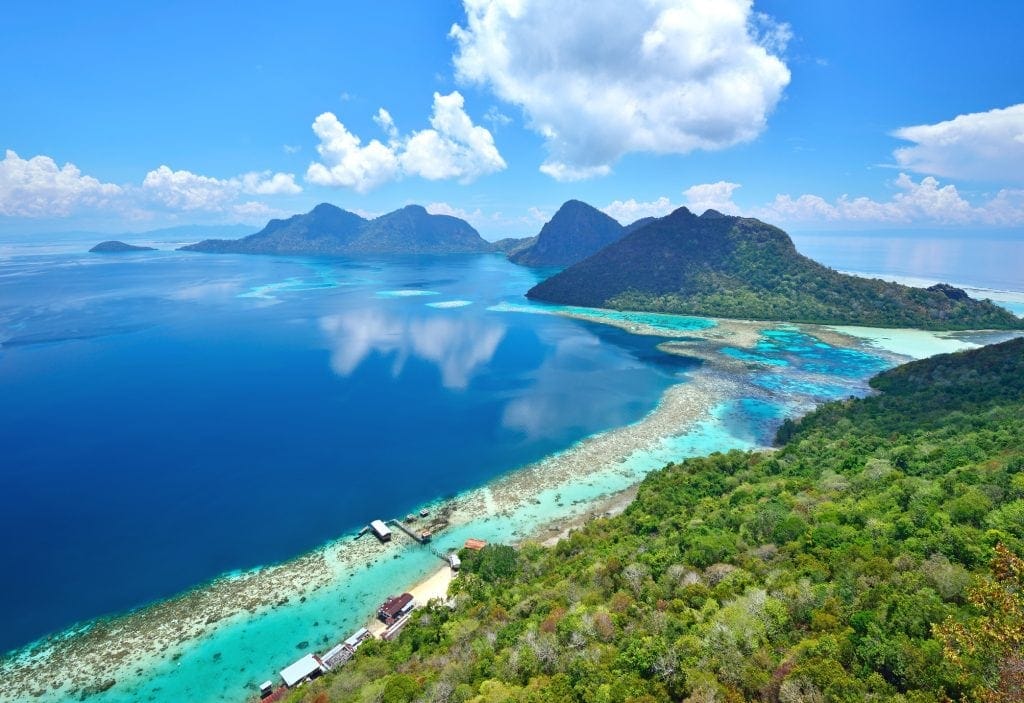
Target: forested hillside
{"points": [[741, 268], [852, 564]]}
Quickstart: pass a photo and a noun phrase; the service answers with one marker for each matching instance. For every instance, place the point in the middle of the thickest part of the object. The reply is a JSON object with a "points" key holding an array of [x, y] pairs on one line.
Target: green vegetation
{"points": [[742, 268], [849, 565], [513, 245], [327, 230], [575, 232]]}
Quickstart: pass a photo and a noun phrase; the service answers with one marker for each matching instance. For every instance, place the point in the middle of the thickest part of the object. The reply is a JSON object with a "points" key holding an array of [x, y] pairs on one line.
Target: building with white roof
{"points": [[306, 668]]}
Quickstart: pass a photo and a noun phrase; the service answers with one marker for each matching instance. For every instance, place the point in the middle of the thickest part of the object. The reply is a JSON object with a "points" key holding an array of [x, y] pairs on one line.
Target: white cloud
{"points": [[925, 201], [267, 183], [291, 148], [442, 208], [986, 146], [453, 147], [387, 123], [38, 187], [255, 211], [915, 202], [698, 198], [184, 190], [538, 215], [627, 211], [567, 174], [601, 78], [349, 164], [496, 117], [712, 196]]}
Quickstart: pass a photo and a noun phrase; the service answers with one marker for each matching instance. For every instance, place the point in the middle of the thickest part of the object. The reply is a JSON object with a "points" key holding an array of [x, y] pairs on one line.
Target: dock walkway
{"points": [[400, 525]]}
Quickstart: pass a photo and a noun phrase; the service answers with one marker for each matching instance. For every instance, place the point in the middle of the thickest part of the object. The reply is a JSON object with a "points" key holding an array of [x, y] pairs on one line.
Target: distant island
{"points": [[513, 245], [741, 268], [117, 247], [575, 232], [329, 230]]}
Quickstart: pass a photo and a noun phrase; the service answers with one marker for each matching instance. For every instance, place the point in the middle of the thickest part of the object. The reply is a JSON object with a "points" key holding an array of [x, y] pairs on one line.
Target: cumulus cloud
{"points": [[38, 187], [267, 183], [184, 190], [442, 208], [985, 146], [626, 211], [712, 196], [453, 147], [698, 198], [601, 78], [924, 201], [346, 162]]}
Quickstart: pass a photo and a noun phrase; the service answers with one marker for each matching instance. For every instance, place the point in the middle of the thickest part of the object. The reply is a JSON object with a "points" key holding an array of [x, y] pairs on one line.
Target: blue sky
{"points": [[131, 116]]}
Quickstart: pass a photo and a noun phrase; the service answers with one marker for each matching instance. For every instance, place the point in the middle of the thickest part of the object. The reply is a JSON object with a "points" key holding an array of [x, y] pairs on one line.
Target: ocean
{"points": [[169, 418]]}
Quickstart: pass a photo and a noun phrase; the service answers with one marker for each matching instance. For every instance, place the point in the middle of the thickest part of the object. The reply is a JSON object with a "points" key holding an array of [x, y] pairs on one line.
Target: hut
{"points": [[395, 607], [475, 544], [360, 636], [308, 667], [381, 530]]}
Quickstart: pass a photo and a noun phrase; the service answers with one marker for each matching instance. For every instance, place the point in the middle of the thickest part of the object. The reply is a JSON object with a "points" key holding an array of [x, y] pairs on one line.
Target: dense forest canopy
{"points": [[851, 564]]}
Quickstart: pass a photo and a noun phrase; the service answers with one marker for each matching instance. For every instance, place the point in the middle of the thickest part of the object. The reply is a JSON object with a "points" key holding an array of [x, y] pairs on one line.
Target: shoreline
{"points": [[559, 493], [84, 659]]}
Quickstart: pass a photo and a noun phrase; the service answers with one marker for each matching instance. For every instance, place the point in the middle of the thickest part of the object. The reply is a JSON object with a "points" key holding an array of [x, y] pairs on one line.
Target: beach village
{"points": [[393, 613]]}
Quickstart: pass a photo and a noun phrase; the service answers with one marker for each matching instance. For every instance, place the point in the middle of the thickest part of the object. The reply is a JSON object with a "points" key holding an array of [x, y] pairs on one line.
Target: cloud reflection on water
{"points": [[459, 347]]}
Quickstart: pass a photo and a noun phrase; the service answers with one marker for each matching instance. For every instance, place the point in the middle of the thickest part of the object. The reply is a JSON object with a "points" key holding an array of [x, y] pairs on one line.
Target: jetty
{"points": [[423, 536]]}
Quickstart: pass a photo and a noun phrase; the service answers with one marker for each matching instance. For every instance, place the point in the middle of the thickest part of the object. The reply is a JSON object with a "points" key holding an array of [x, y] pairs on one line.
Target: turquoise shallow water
{"points": [[344, 373], [229, 663], [195, 397]]}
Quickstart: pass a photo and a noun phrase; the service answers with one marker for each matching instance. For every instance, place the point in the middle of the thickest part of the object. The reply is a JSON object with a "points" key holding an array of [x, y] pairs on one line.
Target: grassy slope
{"points": [[813, 573]]}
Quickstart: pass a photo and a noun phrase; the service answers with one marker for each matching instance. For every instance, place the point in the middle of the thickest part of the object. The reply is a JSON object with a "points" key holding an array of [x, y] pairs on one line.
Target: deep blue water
{"points": [[167, 417]]}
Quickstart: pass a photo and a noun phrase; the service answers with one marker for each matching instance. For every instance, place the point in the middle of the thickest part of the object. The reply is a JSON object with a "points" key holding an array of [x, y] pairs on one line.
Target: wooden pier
{"points": [[421, 537]]}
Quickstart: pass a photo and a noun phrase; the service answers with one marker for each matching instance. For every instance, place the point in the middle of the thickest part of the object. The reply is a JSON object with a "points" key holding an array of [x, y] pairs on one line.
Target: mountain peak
{"points": [[679, 213], [329, 230], [732, 267], [573, 233]]}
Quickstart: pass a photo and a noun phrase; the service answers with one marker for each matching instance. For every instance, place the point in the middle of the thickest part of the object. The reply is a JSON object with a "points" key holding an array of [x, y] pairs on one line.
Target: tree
{"points": [[988, 650]]}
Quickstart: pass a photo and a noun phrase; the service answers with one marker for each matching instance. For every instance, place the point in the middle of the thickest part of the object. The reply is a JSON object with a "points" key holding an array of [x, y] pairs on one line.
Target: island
{"points": [[513, 245], [330, 230], [576, 231], [117, 247], [716, 265]]}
